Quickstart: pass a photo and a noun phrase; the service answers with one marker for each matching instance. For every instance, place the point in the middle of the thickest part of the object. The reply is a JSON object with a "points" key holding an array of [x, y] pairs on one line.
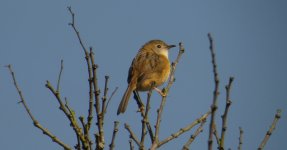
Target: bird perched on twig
{"points": [[151, 66]]}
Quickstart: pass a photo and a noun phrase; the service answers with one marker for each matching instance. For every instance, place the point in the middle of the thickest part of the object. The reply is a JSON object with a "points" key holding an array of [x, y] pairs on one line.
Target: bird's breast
{"points": [[158, 73]]}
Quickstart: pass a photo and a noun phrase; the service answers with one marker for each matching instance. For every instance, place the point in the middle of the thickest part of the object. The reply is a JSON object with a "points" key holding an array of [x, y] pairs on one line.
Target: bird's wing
{"points": [[146, 62]]}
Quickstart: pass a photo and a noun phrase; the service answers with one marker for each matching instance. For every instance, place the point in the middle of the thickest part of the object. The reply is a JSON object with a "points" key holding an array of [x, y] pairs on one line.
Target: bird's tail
{"points": [[125, 100]]}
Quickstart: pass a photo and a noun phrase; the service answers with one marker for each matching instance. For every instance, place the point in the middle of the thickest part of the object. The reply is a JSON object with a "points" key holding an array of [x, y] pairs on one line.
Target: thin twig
{"points": [[166, 90], [75, 29], [59, 77], [215, 133], [87, 57], [81, 118], [91, 96], [71, 111], [104, 98], [78, 145], [143, 114], [215, 92], [95, 83], [192, 137], [86, 132], [151, 134], [116, 129], [113, 93], [35, 122], [132, 135], [147, 123], [271, 129], [70, 115], [224, 116], [240, 139], [100, 121], [144, 120], [185, 129], [131, 144]]}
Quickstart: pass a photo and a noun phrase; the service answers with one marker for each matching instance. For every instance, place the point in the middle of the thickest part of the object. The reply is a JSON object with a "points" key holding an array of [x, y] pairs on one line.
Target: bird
{"points": [[149, 69]]}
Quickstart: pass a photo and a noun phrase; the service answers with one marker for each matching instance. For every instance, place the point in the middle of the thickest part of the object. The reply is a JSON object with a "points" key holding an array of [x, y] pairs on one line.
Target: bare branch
{"points": [[59, 77], [73, 115], [91, 96], [76, 30], [132, 135], [86, 132], [78, 145], [116, 129], [131, 144], [100, 122], [142, 112], [215, 133], [240, 138], [81, 118], [145, 120], [166, 90], [192, 137], [151, 134], [144, 115], [215, 92], [35, 122], [271, 129], [93, 86], [70, 115], [224, 116], [185, 129], [104, 98], [113, 93], [87, 57]]}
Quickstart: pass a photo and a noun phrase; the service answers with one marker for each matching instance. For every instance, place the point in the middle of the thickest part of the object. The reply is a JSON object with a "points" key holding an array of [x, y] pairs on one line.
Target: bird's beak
{"points": [[171, 46]]}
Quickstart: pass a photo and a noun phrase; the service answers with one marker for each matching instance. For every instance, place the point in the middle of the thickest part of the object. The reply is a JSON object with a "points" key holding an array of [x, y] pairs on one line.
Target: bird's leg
{"points": [[163, 94], [139, 101]]}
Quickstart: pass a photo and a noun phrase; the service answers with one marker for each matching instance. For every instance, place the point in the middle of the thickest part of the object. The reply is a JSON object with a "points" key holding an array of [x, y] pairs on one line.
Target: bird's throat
{"points": [[164, 53]]}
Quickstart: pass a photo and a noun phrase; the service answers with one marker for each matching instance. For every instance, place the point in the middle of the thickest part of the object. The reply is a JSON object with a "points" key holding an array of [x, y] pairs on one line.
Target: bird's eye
{"points": [[158, 46]]}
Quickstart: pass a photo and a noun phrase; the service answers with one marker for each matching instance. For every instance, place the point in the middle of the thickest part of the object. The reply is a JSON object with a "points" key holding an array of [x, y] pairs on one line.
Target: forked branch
{"points": [[166, 90], [192, 137], [224, 116], [35, 122], [215, 92], [185, 129], [116, 129]]}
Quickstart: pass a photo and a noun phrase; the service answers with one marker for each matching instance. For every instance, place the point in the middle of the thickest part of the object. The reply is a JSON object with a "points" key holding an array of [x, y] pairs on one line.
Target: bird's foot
{"points": [[161, 92]]}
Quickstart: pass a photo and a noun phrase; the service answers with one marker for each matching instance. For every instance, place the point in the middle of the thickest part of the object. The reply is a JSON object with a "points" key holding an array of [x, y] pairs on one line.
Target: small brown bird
{"points": [[150, 66]]}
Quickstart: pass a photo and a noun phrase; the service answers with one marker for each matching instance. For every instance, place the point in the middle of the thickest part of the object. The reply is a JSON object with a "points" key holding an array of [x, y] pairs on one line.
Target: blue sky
{"points": [[250, 40]]}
